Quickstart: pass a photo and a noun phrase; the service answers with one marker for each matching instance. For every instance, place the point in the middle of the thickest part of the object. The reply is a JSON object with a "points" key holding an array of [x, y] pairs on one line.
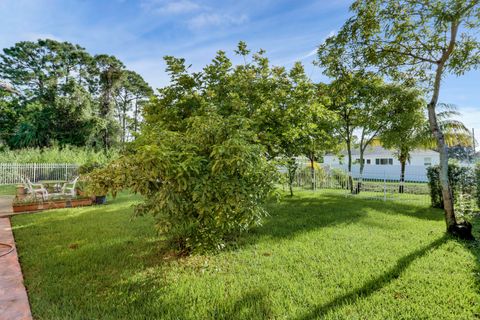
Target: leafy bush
{"points": [[89, 167], [203, 185], [461, 180]]}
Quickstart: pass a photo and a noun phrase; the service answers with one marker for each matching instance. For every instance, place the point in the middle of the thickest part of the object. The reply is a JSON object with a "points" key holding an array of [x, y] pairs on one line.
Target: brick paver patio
{"points": [[13, 296]]}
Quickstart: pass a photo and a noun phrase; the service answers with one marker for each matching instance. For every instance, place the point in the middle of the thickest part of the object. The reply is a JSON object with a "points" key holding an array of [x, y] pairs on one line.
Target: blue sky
{"points": [[141, 32]]}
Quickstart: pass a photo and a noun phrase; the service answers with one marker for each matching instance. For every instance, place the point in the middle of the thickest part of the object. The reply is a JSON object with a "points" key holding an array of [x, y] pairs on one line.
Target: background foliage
{"points": [[63, 95], [55, 154]]}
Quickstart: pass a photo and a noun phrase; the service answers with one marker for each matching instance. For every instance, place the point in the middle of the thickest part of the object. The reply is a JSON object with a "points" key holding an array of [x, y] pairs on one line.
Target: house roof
{"points": [[380, 151]]}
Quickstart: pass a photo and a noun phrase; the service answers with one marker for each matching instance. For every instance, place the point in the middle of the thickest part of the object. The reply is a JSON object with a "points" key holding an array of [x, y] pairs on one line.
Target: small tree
{"points": [[411, 131], [200, 159], [408, 132], [364, 104], [296, 118]]}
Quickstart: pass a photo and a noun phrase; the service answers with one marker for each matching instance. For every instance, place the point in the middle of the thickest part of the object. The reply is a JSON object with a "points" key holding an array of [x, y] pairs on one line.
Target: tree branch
{"points": [[408, 54]]}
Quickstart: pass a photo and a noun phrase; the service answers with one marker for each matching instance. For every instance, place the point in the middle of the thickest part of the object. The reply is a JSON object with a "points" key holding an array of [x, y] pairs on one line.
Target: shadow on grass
{"points": [[252, 305], [136, 284], [303, 213], [375, 284]]}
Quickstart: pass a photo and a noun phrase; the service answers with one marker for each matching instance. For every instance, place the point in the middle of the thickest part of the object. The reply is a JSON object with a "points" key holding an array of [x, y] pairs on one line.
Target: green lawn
{"points": [[317, 256], [8, 190]]}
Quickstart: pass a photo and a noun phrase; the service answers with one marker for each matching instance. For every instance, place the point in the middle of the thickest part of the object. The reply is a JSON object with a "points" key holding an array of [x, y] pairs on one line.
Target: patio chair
{"points": [[68, 188], [35, 188]]}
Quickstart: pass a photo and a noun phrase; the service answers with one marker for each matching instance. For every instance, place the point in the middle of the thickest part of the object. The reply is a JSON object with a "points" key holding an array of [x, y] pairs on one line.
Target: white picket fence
{"points": [[12, 173], [375, 185]]}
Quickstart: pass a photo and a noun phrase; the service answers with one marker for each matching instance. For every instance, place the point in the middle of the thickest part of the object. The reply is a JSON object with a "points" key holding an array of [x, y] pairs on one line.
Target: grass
{"points": [[7, 190], [318, 256]]}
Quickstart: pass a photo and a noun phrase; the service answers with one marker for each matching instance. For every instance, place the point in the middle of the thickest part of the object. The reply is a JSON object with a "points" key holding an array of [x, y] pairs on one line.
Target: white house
{"points": [[378, 156], [382, 163]]}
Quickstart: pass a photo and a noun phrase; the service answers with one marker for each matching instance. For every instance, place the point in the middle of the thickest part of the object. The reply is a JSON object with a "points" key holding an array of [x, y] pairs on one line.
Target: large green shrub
{"points": [[461, 180], [204, 185]]}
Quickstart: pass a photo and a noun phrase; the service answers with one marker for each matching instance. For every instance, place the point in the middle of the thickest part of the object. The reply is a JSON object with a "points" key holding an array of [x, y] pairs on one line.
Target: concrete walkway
{"points": [[6, 206], [13, 295]]}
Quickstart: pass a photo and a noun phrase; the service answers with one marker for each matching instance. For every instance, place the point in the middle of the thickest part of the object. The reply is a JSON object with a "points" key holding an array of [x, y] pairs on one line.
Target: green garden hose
{"points": [[10, 249]]}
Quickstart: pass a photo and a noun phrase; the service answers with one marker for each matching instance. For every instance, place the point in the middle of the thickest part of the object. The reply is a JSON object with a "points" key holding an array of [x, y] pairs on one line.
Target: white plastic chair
{"points": [[68, 188], [36, 188]]}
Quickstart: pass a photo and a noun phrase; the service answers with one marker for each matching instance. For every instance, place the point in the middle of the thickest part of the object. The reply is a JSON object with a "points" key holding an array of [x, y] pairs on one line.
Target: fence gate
{"points": [[12, 173]]}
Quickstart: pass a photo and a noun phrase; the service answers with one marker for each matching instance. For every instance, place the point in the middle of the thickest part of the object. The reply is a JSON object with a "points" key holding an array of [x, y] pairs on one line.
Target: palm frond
{"points": [[454, 131]]}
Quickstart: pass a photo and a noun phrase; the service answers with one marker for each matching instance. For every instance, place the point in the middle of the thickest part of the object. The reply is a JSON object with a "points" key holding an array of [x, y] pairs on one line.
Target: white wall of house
{"points": [[384, 164], [417, 158], [390, 172]]}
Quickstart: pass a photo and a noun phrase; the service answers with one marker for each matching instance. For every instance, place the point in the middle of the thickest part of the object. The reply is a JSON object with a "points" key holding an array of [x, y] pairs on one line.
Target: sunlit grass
{"points": [[319, 255]]}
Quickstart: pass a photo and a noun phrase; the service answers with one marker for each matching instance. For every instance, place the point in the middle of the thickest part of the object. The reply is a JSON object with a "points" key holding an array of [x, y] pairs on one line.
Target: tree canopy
{"points": [[59, 93]]}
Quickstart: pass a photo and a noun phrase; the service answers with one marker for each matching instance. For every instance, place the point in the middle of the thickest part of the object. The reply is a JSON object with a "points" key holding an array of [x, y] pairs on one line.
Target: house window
{"points": [[427, 161], [368, 161], [383, 161]]}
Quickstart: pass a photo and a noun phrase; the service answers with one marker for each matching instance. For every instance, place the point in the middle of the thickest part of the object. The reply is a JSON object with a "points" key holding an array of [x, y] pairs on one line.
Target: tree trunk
{"points": [[136, 116], [450, 219], [312, 171], [362, 166], [124, 124], [448, 204], [350, 179], [104, 114], [403, 163], [292, 169]]}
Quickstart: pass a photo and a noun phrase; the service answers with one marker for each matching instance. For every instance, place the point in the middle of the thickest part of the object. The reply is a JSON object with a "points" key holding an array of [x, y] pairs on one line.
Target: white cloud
{"points": [[196, 15], [214, 19], [170, 7], [308, 55], [32, 36], [313, 52]]}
